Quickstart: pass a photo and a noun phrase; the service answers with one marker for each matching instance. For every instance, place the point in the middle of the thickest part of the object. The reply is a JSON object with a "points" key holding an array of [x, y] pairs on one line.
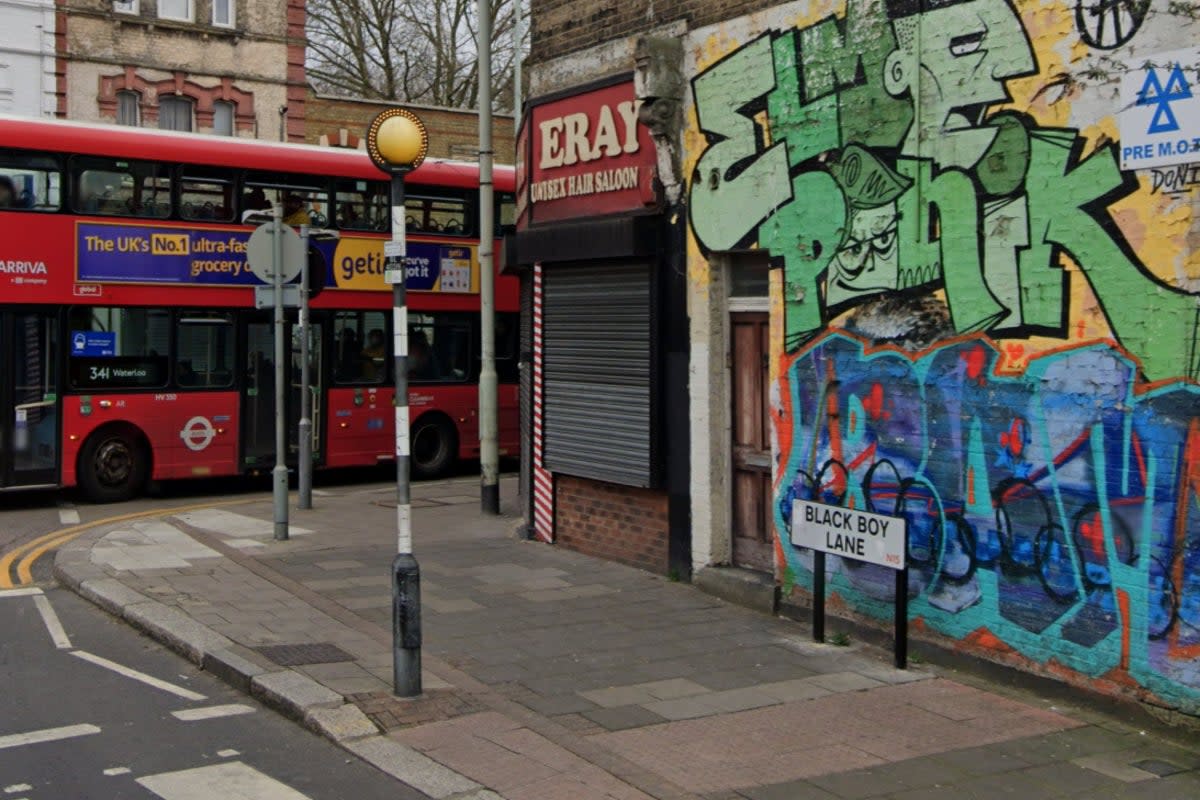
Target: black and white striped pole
{"points": [[397, 143]]}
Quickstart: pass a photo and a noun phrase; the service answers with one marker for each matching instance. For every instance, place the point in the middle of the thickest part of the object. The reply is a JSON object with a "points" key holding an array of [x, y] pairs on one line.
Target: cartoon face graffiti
{"points": [[954, 57], [867, 261]]}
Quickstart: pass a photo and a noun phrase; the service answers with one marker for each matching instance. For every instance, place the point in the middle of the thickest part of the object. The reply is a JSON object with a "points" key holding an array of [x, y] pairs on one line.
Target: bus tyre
{"points": [[113, 466], [434, 448]]}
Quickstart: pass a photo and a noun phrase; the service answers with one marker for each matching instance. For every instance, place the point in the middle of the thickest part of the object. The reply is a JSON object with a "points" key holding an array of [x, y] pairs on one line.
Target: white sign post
{"points": [[1159, 114], [274, 254], [862, 536]]}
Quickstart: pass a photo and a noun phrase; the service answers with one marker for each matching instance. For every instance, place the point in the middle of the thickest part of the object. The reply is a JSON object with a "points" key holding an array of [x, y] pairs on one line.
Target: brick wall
{"points": [[453, 133], [619, 523], [561, 27], [258, 64], [1036, 427]]}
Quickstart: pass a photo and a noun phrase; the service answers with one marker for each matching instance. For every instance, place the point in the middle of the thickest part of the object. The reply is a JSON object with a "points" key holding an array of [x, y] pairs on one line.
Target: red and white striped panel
{"points": [[543, 481]]}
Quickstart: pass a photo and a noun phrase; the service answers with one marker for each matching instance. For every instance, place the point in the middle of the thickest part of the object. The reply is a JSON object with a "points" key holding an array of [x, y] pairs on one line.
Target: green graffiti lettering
{"points": [[761, 186], [859, 152], [938, 239], [806, 233], [848, 67], [808, 128], [1151, 320]]}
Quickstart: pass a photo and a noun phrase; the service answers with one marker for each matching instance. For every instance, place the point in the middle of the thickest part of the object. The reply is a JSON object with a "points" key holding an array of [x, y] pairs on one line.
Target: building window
{"points": [[223, 13], [175, 114], [129, 108], [125, 6], [223, 118], [175, 9]]}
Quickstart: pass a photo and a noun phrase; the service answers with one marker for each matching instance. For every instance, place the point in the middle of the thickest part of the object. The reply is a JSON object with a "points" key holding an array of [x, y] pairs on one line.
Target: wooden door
{"points": [[752, 540]]}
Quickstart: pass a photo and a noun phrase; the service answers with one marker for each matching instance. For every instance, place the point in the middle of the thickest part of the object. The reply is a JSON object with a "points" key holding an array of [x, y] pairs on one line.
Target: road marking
{"points": [[34, 549], [17, 787], [46, 735], [228, 753], [111, 771], [233, 780], [68, 516], [212, 712], [52, 624], [24, 591], [149, 680]]}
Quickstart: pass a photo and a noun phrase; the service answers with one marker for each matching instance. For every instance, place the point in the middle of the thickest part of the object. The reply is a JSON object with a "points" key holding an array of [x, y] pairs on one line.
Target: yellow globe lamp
{"points": [[397, 140]]}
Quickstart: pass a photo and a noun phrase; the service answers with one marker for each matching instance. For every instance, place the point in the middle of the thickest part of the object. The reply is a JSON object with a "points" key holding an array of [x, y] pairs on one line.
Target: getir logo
{"points": [[358, 264]]}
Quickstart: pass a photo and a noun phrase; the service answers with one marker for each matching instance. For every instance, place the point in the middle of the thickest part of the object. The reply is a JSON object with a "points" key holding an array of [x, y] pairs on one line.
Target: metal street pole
{"points": [[519, 39], [279, 474], [489, 447], [397, 142], [305, 478], [406, 573]]}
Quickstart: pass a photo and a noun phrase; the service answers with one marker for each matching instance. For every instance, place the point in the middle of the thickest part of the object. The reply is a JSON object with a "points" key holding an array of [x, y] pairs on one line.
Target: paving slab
{"points": [[551, 675]]}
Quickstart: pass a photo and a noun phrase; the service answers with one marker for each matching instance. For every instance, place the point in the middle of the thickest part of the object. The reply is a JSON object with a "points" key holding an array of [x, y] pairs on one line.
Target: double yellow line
{"points": [[26, 554]]}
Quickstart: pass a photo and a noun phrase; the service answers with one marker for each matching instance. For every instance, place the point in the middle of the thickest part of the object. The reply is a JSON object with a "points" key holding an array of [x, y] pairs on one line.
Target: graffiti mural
{"points": [[988, 328]]}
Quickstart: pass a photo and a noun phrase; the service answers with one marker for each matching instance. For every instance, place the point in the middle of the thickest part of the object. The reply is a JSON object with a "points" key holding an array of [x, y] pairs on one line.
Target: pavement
{"points": [[550, 675]]}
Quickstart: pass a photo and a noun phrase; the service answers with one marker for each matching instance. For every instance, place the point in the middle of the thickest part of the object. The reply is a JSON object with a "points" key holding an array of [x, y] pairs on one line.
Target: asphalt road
{"points": [[83, 718]]}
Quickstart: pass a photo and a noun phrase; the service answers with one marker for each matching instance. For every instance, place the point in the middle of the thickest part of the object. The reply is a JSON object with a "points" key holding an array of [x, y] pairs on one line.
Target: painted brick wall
{"points": [[620, 523], [983, 315]]}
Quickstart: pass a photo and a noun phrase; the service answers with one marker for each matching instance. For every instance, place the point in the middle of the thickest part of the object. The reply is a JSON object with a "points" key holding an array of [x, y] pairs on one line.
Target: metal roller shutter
{"points": [[598, 371]]}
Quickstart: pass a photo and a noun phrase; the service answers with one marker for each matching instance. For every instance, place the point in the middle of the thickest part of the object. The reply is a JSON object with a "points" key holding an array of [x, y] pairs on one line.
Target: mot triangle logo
{"points": [[1154, 93]]}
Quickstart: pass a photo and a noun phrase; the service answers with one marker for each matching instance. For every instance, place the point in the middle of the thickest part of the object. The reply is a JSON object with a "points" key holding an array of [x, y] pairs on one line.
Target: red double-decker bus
{"points": [[130, 345]]}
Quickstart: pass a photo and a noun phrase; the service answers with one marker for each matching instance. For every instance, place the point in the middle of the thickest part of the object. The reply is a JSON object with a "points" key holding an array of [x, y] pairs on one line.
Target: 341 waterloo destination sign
{"points": [[585, 155]]}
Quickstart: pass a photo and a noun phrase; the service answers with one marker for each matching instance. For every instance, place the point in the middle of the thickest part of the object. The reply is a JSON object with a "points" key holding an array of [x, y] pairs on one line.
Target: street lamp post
{"points": [[397, 143]]}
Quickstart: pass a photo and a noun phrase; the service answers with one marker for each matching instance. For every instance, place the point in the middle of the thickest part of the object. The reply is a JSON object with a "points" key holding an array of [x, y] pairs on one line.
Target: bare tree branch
{"points": [[417, 51]]}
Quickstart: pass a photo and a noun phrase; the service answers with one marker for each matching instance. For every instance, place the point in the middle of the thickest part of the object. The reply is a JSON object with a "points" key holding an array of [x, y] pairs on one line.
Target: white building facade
{"points": [[27, 79]]}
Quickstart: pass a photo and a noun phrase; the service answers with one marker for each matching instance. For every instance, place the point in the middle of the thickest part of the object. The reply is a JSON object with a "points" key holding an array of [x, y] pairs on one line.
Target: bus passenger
{"points": [[420, 357], [348, 356], [374, 357], [294, 212], [8, 192]]}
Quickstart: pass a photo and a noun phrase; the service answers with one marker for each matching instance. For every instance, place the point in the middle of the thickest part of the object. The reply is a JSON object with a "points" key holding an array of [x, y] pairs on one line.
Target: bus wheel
{"points": [[434, 448], [113, 466]]}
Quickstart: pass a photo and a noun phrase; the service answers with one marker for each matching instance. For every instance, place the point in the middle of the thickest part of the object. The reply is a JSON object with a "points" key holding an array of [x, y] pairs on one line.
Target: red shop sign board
{"points": [[585, 156]]}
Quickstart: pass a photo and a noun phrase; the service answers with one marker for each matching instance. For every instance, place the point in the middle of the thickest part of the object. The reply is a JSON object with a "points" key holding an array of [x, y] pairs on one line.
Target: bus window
{"points": [[206, 194], [302, 201], [204, 354], [363, 205], [506, 211], [118, 187], [445, 215], [361, 354], [439, 348], [31, 181], [119, 347]]}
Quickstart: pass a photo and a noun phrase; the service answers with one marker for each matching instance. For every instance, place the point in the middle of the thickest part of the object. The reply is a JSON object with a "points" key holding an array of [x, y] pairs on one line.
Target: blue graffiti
{"points": [[1057, 510]]}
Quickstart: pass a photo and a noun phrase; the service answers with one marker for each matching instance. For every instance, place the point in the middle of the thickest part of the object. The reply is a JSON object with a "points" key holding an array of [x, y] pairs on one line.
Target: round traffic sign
{"points": [[260, 252]]}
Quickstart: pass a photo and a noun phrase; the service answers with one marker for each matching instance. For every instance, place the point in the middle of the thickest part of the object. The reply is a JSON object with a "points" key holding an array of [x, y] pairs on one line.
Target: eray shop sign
{"points": [[1160, 110], [585, 155]]}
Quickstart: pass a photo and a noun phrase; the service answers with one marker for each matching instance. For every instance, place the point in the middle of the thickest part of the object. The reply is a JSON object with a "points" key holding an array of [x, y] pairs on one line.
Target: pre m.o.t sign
{"points": [[860, 535]]}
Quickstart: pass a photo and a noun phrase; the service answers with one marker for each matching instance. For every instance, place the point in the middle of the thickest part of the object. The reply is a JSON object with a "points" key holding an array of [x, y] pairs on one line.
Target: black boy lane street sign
{"points": [[860, 535]]}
